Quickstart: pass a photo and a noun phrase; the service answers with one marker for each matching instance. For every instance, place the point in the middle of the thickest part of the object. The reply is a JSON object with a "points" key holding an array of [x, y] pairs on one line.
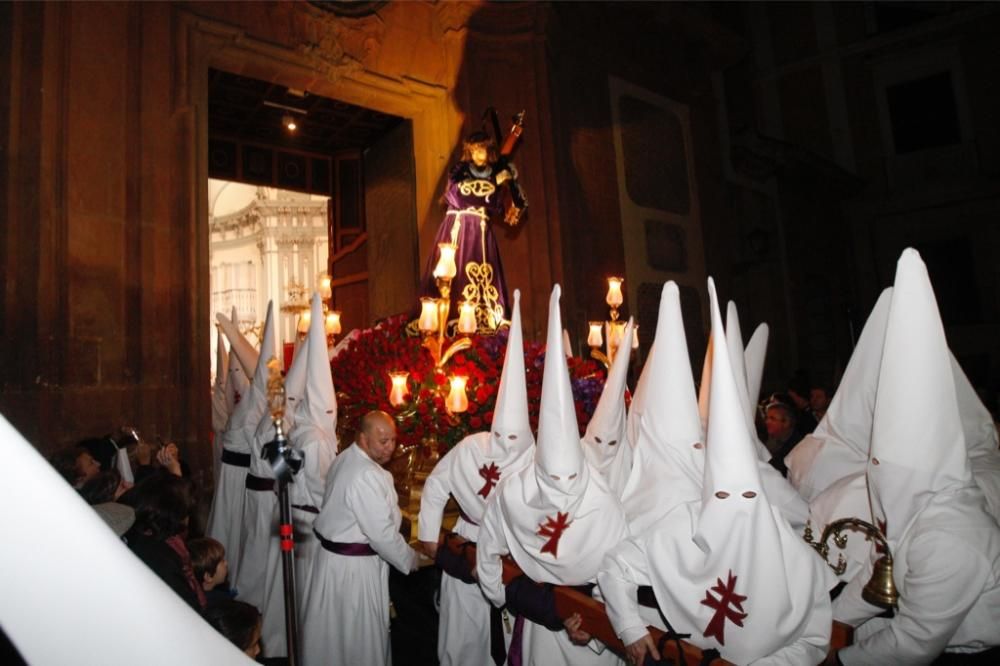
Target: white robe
{"points": [[597, 524], [346, 618], [947, 571], [260, 545], [656, 560], [225, 520], [464, 616], [305, 490]]}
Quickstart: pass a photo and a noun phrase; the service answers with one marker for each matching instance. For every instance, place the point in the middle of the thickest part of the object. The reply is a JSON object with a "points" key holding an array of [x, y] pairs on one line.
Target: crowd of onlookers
{"points": [[154, 516]]}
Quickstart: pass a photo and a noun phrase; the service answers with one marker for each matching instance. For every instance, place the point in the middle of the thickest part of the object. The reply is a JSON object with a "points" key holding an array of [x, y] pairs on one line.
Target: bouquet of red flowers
{"points": [[361, 376]]}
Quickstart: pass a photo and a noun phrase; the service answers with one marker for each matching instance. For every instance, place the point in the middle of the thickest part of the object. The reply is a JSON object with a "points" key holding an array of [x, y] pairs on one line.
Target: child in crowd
{"points": [[208, 559], [239, 622]]}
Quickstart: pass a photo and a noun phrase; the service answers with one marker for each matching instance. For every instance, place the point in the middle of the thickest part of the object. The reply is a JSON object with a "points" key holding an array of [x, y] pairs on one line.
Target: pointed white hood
{"points": [[247, 355], [728, 569], [558, 529], [754, 355], [980, 440], [319, 408], [669, 457], [559, 456], [737, 359], [482, 460], [510, 431], [705, 388], [604, 441], [247, 413], [918, 445], [295, 382], [34, 609], [839, 445]]}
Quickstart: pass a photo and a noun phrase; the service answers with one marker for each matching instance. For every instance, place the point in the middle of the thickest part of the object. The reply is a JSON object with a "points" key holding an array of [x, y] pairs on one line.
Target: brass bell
{"points": [[881, 590]]}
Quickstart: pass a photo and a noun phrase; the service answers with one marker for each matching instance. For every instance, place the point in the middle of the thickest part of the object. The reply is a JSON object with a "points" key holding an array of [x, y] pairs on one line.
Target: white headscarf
{"points": [[669, 458], [728, 569], [918, 444], [559, 516], [605, 443], [839, 445]]}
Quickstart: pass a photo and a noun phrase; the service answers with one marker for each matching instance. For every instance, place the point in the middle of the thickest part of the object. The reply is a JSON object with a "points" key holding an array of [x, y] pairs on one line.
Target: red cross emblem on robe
{"points": [[491, 475], [727, 595], [553, 529]]}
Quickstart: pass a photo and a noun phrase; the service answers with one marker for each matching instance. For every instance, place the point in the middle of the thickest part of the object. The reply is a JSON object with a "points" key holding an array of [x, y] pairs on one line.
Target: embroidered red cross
{"points": [[236, 398], [727, 595], [553, 528], [491, 475]]}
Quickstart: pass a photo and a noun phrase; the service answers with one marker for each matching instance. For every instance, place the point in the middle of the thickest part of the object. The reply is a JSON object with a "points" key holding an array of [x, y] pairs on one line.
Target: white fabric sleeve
{"points": [[318, 459], [849, 607], [944, 580], [433, 498], [492, 545], [810, 647], [366, 500], [624, 569]]}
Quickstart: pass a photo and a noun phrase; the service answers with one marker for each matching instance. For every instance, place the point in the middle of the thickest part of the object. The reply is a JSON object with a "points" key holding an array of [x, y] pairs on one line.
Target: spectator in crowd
{"points": [[819, 401], [105, 487], [239, 622], [783, 432], [163, 504], [208, 560]]}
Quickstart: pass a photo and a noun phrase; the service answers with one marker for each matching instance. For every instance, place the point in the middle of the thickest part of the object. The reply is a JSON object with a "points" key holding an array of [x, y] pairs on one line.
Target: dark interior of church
{"points": [[790, 151]]}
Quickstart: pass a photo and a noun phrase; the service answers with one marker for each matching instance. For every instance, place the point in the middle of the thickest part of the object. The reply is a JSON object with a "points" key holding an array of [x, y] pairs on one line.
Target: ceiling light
{"points": [[289, 122]]}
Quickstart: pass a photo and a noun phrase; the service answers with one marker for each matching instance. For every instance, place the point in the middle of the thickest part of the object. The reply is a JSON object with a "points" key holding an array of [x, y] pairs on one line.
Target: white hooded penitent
{"points": [[668, 458], [604, 442], [728, 569], [839, 446]]}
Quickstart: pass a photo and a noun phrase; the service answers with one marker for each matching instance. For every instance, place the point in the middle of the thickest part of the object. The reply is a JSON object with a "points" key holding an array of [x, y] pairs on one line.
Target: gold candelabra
{"points": [[613, 329], [881, 589]]}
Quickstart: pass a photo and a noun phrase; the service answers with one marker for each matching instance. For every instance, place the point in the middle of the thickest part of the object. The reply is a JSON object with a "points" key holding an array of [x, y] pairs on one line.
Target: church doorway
{"points": [[297, 183]]}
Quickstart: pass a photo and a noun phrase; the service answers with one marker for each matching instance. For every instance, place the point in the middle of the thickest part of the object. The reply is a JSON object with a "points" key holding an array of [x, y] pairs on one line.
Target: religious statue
{"points": [[482, 187]]}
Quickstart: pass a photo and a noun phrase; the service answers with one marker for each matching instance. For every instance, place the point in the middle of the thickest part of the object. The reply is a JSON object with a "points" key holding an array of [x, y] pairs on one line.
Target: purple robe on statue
{"points": [[474, 202]]}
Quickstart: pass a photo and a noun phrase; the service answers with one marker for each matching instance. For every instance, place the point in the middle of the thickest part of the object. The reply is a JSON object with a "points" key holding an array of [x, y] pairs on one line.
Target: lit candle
{"points": [[466, 317], [457, 401], [333, 322], [325, 288], [399, 390], [594, 338], [635, 336], [428, 314], [304, 318], [446, 267], [614, 297]]}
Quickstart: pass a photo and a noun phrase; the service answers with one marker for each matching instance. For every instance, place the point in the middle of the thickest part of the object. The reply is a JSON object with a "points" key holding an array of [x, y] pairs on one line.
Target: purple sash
{"points": [[348, 549]]}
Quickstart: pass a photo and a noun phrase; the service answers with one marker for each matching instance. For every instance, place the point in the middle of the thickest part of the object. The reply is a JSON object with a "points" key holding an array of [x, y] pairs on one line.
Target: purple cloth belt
{"points": [[259, 483], [348, 549], [306, 507], [236, 459]]}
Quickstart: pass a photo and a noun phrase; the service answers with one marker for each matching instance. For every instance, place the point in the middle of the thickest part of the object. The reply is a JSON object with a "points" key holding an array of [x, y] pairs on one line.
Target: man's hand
{"points": [[169, 458], [503, 176], [572, 626], [636, 652], [430, 548]]}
